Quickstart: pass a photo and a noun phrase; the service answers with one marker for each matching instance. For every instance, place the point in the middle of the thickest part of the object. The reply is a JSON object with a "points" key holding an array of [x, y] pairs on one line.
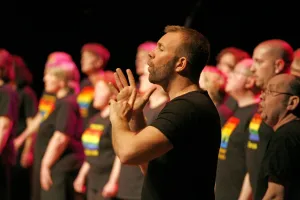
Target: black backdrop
{"points": [[33, 30]]}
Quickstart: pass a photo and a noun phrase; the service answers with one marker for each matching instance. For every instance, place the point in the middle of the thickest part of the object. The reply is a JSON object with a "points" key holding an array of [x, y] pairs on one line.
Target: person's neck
{"points": [[157, 99], [246, 98], [284, 120], [104, 112], [95, 76], [215, 102], [180, 86], [61, 93]]}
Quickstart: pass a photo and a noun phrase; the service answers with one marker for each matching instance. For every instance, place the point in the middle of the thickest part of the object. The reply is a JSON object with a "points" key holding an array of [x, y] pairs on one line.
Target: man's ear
{"points": [[62, 83], [99, 63], [279, 66], [181, 64], [293, 103]]}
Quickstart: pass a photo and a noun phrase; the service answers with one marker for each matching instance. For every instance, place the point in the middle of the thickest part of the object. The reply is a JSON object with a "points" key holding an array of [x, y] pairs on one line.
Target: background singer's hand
{"points": [[45, 179]]}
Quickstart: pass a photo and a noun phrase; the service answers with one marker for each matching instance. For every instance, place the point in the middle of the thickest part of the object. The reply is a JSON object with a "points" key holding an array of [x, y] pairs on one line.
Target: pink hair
{"points": [[97, 49], [6, 65], [58, 57], [219, 72], [147, 46]]}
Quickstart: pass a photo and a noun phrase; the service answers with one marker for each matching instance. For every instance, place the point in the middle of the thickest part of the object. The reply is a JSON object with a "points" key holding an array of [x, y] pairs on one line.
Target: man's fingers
{"points": [[118, 81], [113, 89], [132, 97], [122, 77], [130, 78]]}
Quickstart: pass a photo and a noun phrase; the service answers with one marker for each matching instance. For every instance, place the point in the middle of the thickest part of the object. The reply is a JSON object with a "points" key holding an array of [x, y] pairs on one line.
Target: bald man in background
{"points": [[295, 67], [271, 57]]}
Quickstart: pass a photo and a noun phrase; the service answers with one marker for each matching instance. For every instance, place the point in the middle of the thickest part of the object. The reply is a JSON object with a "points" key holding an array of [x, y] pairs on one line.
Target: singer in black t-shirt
{"points": [[58, 152], [8, 123]]}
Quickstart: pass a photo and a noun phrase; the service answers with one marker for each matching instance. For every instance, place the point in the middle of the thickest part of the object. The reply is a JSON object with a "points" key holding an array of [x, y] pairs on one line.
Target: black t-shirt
{"points": [[281, 163], [152, 113], [232, 156], [9, 108], [27, 107], [191, 123], [97, 143], [46, 104], [259, 136], [64, 118], [85, 100], [131, 177], [231, 103], [224, 113]]}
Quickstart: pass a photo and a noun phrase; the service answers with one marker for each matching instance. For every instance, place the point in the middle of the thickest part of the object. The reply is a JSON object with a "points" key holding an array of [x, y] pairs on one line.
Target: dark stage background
{"points": [[35, 29]]}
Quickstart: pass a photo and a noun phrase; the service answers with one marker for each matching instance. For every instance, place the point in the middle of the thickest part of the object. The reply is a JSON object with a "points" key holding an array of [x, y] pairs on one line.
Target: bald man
{"points": [[295, 67], [280, 170], [270, 57]]}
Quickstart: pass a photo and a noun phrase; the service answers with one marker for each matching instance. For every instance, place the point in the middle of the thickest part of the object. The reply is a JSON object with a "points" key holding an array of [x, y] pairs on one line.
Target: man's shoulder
{"points": [[288, 129], [194, 97]]}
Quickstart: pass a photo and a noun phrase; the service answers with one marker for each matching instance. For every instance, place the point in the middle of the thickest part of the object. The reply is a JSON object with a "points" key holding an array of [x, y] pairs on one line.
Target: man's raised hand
{"points": [[125, 90]]}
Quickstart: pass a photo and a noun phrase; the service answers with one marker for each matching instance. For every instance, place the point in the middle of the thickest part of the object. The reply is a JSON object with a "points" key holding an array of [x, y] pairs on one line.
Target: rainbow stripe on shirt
{"points": [[46, 105], [254, 132], [84, 99], [91, 138], [227, 130]]}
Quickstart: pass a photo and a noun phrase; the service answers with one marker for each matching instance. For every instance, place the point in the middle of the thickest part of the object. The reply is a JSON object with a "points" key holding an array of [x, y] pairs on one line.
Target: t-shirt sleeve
{"points": [[174, 120], [66, 118], [7, 101], [30, 104], [277, 160], [41, 100]]}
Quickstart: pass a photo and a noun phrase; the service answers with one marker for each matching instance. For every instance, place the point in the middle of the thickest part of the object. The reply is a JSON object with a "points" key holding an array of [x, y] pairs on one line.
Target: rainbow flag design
{"points": [[91, 138], [84, 99], [46, 105], [227, 130], [254, 131]]}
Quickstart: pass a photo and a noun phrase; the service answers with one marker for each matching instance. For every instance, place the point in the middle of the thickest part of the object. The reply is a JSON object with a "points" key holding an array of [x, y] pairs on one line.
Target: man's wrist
{"points": [[45, 164]]}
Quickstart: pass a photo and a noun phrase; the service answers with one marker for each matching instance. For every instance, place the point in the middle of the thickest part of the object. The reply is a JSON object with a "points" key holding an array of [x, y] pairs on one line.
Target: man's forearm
{"points": [[4, 135], [58, 143], [28, 144], [31, 128], [84, 170], [30, 139], [272, 196], [115, 172], [121, 137], [137, 122], [246, 191], [274, 192], [5, 129]]}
